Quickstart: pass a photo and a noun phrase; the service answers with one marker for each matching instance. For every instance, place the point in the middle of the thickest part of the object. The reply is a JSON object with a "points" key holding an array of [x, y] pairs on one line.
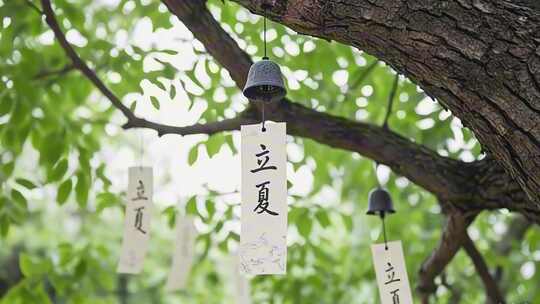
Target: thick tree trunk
{"points": [[479, 58]]}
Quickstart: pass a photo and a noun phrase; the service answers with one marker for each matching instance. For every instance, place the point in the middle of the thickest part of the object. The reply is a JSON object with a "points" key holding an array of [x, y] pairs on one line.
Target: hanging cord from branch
{"points": [[264, 33], [393, 92], [391, 98], [141, 148], [265, 57]]}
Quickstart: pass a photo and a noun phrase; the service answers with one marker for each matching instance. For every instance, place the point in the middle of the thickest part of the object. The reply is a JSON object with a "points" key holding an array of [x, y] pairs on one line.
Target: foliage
{"points": [[60, 210]]}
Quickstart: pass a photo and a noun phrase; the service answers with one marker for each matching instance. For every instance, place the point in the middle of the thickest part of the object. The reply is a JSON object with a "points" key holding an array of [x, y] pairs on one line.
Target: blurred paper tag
{"points": [[242, 290], [137, 222], [391, 273], [263, 236], [184, 253]]}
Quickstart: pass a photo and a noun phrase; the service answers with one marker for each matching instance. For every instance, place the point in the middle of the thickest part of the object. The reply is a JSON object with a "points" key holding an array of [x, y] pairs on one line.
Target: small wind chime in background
{"points": [[263, 235], [380, 203], [388, 258]]}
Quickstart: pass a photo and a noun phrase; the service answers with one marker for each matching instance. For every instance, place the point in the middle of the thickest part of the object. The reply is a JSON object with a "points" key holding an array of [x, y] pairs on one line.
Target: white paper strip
{"points": [[184, 253], [263, 236], [137, 221], [391, 273], [242, 290]]}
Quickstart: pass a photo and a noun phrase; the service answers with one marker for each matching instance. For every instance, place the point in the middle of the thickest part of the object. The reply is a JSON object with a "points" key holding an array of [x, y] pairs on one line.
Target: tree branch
{"points": [[418, 163], [363, 74], [451, 240], [46, 73], [133, 121], [516, 232], [493, 293], [456, 292], [470, 186], [50, 18], [423, 41], [448, 179], [34, 6]]}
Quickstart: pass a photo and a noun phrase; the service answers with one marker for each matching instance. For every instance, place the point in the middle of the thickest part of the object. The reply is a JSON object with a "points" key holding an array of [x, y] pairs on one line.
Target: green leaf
{"points": [[19, 198], [81, 190], [347, 220], [191, 206], [4, 225], [63, 191], [322, 217], [213, 145], [210, 208], [32, 267], [155, 102], [59, 170], [106, 200], [193, 155], [133, 106], [170, 213], [26, 183], [289, 184], [304, 225], [7, 168], [80, 269], [172, 93]]}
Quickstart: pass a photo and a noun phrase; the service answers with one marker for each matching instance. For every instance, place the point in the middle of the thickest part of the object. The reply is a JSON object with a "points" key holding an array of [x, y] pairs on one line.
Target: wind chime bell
{"points": [[264, 81], [380, 202]]}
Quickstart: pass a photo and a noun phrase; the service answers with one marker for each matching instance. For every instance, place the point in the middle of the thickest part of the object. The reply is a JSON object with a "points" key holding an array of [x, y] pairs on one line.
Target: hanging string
{"points": [[141, 148], [264, 33], [377, 175], [384, 232], [393, 92], [265, 57], [263, 118]]}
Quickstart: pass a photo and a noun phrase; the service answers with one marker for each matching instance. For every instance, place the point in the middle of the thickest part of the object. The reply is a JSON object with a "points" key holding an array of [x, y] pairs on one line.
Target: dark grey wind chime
{"points": [[264, 82], [380, 203]]}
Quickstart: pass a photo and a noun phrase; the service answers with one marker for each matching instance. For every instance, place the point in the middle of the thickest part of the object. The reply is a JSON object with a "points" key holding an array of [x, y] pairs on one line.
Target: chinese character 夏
{"points": [[138, 219], [395, 296], [263, 203]]}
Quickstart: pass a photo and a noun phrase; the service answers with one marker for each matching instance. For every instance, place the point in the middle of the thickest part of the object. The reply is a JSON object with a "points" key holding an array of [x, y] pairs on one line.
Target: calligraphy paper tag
{"points": [[391, 273], [242, 290], [184, 253], [263, 235], [137, 221]]}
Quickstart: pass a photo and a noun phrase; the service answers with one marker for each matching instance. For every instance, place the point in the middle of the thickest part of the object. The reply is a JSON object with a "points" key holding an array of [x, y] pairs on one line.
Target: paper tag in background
{"points": [[137, 220], [184, 253], [242, 290], [391, 273], [263, 237]]}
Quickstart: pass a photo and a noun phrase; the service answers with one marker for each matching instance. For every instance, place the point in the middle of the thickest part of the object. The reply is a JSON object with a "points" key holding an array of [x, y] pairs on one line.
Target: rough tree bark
{"points": [[481, 59]]}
